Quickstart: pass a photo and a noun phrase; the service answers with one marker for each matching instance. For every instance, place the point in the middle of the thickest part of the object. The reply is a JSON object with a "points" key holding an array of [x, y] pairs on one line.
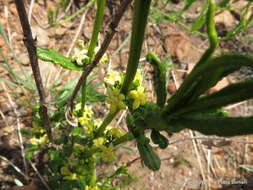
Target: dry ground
{"points": [[188, 164]]}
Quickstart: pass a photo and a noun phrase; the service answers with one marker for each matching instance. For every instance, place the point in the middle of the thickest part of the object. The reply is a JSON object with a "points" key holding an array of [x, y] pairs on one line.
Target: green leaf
{"points": [[29, 82], [53, 56], [93, 95], [246, 167], [160, 78], [29, 154], [220, 126], [26, 132], [200, 21], [78, 131], [188, 3], [199, 80], [229, 95], [128, 149], [223, 3]]}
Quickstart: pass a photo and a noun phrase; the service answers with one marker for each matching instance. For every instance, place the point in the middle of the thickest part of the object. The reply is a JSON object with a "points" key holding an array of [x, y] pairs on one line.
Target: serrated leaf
{"points": [[53, 56]]}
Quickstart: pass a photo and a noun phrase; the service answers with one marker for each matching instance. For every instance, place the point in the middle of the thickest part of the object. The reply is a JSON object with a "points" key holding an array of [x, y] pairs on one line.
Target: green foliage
{"points": [[160, 79], [84, 139], [159, 139], [51, 55], [148, 154]]}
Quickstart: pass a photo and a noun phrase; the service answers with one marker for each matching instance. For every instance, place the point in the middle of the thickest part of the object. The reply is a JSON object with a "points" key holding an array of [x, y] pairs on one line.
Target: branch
{"points": [[31, 48], [107, 40]]}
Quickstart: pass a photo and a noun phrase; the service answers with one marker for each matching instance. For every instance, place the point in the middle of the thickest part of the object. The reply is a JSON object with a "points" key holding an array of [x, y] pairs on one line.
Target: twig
{"points": [[198, 157], [37, 172], [31, 48], [30, 11], [77, 33], [132, 161], [104, 46], [7, 24], [15, 167], [210, 138]]}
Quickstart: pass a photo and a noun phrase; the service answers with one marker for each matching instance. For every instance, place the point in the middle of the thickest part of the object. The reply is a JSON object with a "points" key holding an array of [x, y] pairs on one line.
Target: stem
{"points": [[93, 42], [96, 27], [106, 122], [83, 96], [181, 94], [104, 46], [212, 34], [127, 137], [76, 13], [173, 19], [31, 48], [141, 10]]}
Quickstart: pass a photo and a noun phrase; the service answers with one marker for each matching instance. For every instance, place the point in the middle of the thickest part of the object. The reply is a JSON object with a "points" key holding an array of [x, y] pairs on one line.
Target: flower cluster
{"points": [[41, 140], [113, 81], [92, 187], [85, 116], [68, 174], [115, 99], [138, 96], [112, 78], [80, 56]]}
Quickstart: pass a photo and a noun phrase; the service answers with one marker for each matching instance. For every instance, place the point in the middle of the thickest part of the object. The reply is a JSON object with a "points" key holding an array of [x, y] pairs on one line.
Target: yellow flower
{"points": [[80, 56], [116, 132], [98, 142], [138, 96], [72, 176], [37, 128], [41, 140], [107, 153], [115, 99], [87, 114], [138, 77], [112, 77], [97, 122], [34, 141], [80, 44], [104, 58], [84, 120], [88, 111], [92, 187], [65, 171]]}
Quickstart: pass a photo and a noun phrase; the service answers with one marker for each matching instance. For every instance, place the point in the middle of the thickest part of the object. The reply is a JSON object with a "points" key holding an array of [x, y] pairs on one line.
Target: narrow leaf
{"points": [[220, 126], [53, 56]]}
